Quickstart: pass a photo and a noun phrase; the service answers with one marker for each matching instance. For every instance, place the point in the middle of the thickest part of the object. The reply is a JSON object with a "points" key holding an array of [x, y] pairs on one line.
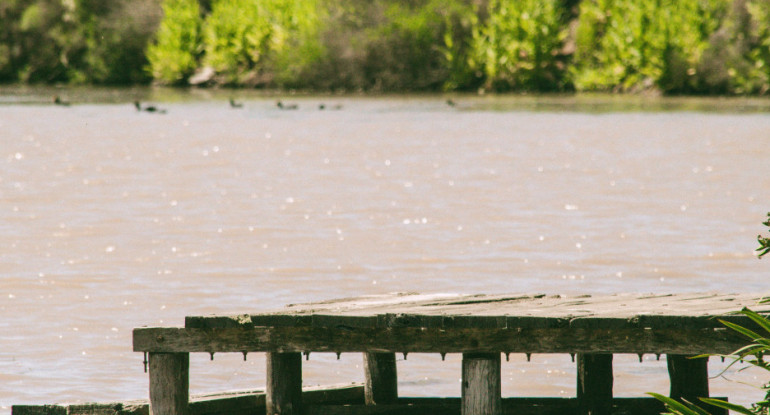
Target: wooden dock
{"points": [[480, 327]]}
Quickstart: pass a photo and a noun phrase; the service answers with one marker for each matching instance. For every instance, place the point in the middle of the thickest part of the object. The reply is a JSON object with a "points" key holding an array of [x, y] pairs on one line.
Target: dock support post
{"points": [[381, 385], [283, 394], [594, 383], [481, 391], [689, 378], [169, 383]]}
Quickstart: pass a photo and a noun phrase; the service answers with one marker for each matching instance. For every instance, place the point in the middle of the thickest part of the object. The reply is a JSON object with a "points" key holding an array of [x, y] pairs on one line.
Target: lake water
{"points": [[113, 219]]}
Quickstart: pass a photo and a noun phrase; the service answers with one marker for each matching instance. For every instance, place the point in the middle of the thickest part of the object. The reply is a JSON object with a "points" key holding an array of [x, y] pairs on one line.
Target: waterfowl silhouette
{"points": [[283, 106], [323, 106], [234, 104], [148, 108], [451, 102], [57, 100]]}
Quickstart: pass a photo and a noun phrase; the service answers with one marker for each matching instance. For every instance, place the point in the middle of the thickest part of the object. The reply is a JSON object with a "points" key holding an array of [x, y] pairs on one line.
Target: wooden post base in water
{"points": [[689, 378], [169, 383], [481, 391], [283, 393], [381, 385], [594, 383]]}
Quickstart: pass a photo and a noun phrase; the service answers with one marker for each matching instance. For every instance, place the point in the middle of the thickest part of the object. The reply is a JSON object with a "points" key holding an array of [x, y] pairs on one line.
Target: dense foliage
{"points": [[78, 41], [174, 55], [687, 46], [520, 44]]}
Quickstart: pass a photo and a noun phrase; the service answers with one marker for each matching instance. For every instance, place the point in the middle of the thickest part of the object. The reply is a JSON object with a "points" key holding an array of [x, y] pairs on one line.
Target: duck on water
{"points": [[148, 108], [283, 106]]}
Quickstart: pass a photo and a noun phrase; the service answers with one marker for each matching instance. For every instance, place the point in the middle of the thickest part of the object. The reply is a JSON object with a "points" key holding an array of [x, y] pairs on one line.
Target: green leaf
{"points": [[730, 406], [740, 329], [678, 407], [757, 318]]}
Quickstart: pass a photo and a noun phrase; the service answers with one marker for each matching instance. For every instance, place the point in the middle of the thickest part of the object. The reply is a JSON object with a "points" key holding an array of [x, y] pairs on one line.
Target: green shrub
{"points": [[627, 45], [40, 32], [757, 76], [175, 54], [413, 47], [296, 44], [237, 37], [388, 46], [520, 45], [75, 41]]}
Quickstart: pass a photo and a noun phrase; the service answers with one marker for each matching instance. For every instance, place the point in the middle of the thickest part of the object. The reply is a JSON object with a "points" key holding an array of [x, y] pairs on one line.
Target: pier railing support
{"points": [[169, 383], [381, 385], [594, 383], [481, 390], [283, 393], [689, 378]]}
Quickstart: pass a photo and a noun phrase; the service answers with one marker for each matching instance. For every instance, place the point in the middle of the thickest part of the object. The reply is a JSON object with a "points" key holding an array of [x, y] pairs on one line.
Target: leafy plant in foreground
{"points": [[764, 243]]}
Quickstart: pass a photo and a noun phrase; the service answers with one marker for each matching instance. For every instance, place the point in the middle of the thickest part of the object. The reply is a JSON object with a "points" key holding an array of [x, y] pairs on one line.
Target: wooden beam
{"points": [[169, 383], [481, 385], [689, 378], [594, 383], [433, 340], [231, 403], [283, 393], [380, 372], [511, 406], [404, 406]]}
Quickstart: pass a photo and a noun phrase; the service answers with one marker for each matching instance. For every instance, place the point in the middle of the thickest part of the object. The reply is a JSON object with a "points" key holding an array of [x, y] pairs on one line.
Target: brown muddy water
{"points": [[112, 219]]}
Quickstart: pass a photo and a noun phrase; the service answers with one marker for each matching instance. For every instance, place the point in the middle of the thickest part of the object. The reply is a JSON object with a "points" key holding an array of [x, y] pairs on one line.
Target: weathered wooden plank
{"points": [[346, 400], [535, 322], [283, 393], [510, 406], [689, 311], [212, 322], [481, 384], [594, 383], [222, 403], [469, 322], [617, 305], [402, 320], [38, 410], [689, 378], [408, 339], [169, 383], [325, 321], [381, 378], [466, 321], [117, 409], [604, 323]]}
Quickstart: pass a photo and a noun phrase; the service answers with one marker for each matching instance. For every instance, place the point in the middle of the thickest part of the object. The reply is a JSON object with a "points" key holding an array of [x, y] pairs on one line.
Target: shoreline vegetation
{"points": [[688, 47]]}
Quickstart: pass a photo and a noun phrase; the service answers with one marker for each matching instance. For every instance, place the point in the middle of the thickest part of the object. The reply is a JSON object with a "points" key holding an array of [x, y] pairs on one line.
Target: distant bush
{"points": [[75, 41], [740, 53], [114, 38], [296, 47], [414, 46], [519, 46], [175, 54], [236, 37], [379, 46], [681, 47], [627, 45]]}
